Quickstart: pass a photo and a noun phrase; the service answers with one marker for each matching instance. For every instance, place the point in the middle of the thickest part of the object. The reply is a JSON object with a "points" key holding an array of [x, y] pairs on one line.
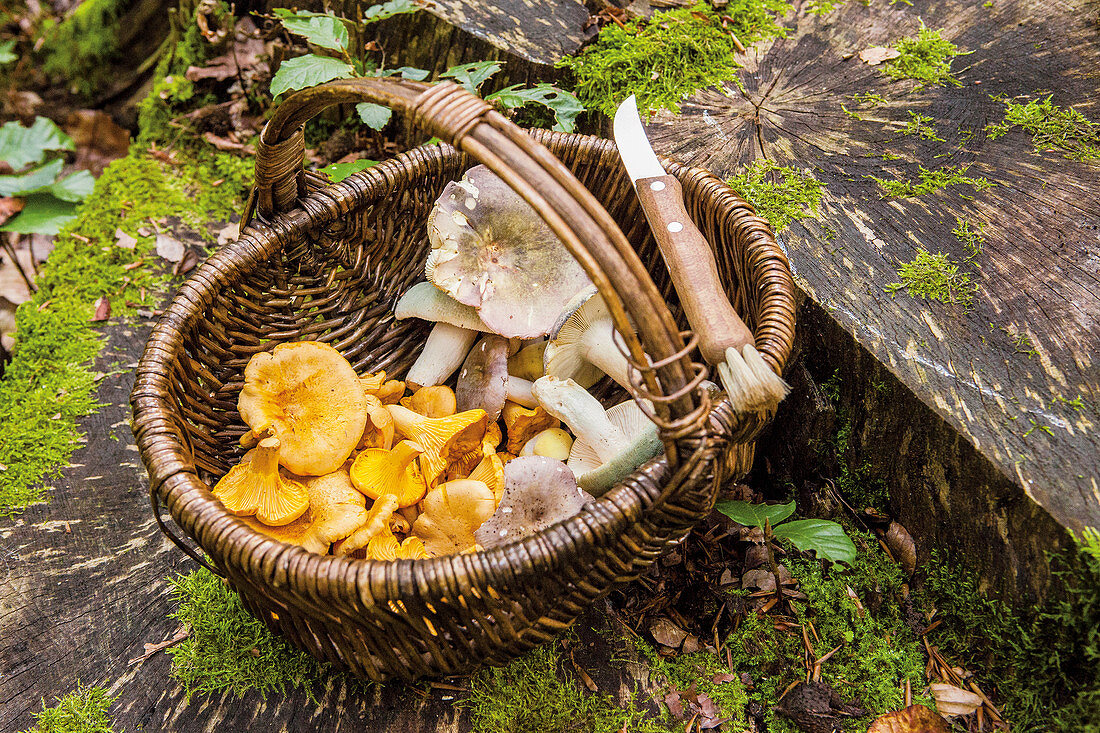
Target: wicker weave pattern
{"points": [[330, 270]]}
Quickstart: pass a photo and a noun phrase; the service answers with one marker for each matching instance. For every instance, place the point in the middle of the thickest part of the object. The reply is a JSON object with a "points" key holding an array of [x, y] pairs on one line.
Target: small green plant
{"points": [[1021, 342], [869, 98], [84, 710], [934, 277], [823, 7], [925, 58], [823, 536], [671, 55], [328, 32], [1077, 403], [228, 648], [778, 193], [918, 126], [1052, 128], [972, 239], [931, 181], [37, 154]]}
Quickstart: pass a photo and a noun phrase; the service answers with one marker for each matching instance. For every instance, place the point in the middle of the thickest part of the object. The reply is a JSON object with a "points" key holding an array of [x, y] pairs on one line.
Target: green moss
{"points": [[671, 55], [1043, 666], [49, 383], [925, 57], [779, 194], [82, 48], [534, 694], [869, 99], [972, 239], [229, 649], [823, 7], [931, 181], [934, 277], [877, 651], [1052, 128], [918, 126], [84, 710]]}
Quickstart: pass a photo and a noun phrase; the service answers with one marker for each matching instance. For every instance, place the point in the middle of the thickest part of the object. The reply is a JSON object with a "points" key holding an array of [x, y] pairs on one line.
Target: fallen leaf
{"points": [[102, 309], [902, 547], [722, 678], [951, 700], [23, 104], [243, 57], [97, 138], [227, 145], [913, 719], [190, 259], [875, 55], [667, 633], [170, 248], [9, 207], [124, 240], [229, 233], [691, 644], [675, 707]]}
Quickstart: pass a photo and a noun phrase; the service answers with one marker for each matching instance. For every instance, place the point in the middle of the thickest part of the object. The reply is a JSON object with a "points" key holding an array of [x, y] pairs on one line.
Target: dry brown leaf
{"points": [[875, 55], [951, 700], [170, 248], [124, 240], [228, 233], [913, 719], [667, 633], [228, 145], [9, 207], [102, 309], [902, 546]]}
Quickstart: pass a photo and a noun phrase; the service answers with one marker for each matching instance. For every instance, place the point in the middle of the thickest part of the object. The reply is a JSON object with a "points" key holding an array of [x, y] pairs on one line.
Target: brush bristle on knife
{"points": [[724, 339]]}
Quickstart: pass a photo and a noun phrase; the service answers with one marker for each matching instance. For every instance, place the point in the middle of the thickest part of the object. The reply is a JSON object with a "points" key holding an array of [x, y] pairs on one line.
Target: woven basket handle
{"points": [[670, 381]]}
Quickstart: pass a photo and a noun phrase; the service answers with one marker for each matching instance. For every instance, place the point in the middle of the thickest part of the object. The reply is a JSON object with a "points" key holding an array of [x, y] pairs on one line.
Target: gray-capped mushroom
{"points": [[609, 445], [484, 374], [582, 345], [456, 328], [538, 492], [492, 251]]}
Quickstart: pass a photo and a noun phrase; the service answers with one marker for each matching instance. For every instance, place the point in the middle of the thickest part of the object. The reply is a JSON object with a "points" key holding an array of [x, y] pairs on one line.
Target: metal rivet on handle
{"points": [[657, 186], [675, 226]]}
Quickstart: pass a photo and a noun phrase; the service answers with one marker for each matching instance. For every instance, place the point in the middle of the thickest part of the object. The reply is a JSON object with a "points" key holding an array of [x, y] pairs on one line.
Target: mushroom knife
{"points": [[724, 339]]}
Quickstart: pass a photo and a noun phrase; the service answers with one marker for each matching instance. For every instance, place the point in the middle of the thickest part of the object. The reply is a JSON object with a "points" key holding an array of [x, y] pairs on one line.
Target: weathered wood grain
{"points": [[1039, 273]]}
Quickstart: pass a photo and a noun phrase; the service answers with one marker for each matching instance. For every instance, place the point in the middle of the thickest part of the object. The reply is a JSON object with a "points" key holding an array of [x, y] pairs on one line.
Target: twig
{"points": [[7, 242], [150, 649]]}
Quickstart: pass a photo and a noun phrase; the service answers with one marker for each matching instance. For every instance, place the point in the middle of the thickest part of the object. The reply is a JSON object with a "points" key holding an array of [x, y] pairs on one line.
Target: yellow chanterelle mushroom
{"points": [[451, 513], [309, 396], [442, 438], [255, 486]]}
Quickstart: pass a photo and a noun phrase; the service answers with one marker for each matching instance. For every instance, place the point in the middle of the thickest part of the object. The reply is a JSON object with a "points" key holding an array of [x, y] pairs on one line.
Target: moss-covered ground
{"points": [[666, 58], [932, 180], [925, 58], [780, 194], [84, 710], [1052, 128], [50, 382], [934, 277]]}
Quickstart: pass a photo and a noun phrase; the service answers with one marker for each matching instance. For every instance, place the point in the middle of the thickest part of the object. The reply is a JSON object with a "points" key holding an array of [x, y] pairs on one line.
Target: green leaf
{"points": [[564, 105], [42, 214], [389, 9], [307, 71], [753, 515], [7, 55], [320, 29], [406, 72], [33, 181], [472, 76], [824, 537], [75, 187], [374, 116], [339, 171], [22, 145]]}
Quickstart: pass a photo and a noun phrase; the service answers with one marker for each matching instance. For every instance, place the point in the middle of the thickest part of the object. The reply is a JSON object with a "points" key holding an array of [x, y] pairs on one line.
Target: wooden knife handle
{"points": [[691, 264]]}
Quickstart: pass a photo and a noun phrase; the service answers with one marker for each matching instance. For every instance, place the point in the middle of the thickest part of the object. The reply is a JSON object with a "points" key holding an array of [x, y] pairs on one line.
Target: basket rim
{"points": [[598, 523]]}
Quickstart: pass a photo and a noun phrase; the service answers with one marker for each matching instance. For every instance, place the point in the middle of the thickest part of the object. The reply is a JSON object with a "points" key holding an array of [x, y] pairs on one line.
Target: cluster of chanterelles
{"points": [[369, 471]]}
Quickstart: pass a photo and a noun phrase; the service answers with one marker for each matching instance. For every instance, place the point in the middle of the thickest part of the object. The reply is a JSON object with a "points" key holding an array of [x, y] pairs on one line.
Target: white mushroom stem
{"points": [[519, 390], [443, 353], [583, 413], [600, 350]]}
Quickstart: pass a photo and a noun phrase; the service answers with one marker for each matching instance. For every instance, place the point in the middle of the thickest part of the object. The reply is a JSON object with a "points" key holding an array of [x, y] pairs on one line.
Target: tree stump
{"points": [[1015, 374]]}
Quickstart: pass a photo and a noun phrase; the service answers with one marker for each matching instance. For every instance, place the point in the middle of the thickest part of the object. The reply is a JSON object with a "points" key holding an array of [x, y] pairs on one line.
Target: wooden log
{"points": [[1015, 375]]}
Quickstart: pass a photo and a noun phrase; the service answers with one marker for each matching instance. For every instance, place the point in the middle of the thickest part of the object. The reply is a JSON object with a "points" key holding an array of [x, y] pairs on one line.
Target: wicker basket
{"points": [[326, 262]]}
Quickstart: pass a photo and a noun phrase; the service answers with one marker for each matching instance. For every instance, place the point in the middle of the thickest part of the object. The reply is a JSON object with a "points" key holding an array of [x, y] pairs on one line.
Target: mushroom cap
{"points": [[527, 362], [427, 302], [379, 430], [309, 396], [492, 251], [377, 472], [443, 438], [490, 471], [552, 443], [523, 424], [483, 378], [338, 509], [378, 523], [644, 444], [564, 355], [538, 492], [435, 401], [451, 513], [296, 533], [256, 486]]}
